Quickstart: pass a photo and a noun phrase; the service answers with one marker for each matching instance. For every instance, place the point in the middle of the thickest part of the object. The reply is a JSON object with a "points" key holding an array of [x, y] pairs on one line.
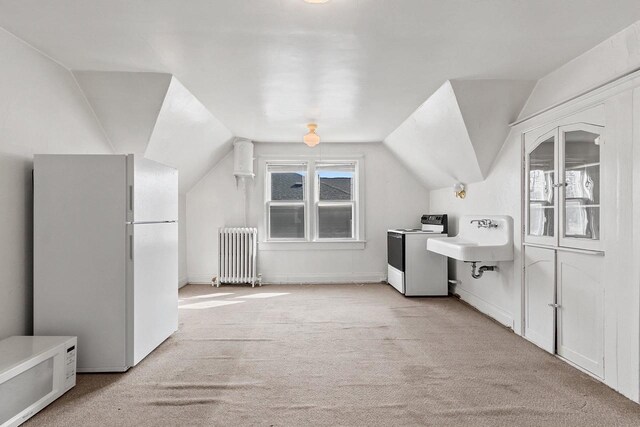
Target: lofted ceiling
{"points": [[126, 104], [359, 68], [456, 134], [154, 115]]}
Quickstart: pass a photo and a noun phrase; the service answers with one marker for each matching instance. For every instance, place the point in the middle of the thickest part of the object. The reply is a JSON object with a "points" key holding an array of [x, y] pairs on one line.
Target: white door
{"points": [[580, 152], [541, 203], [152, 190], [580, 317], [154, 286], [540, 296]]}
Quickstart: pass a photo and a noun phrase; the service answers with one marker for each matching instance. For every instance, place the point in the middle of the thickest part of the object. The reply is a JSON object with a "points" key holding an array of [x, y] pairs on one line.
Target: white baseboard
{"points": [[200, 279], [324, 278], [182, 282], [485, 307]]}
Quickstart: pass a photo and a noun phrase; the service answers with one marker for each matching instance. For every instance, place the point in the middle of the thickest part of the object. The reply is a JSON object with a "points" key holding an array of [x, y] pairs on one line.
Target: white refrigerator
{"points": [[106, 255]]}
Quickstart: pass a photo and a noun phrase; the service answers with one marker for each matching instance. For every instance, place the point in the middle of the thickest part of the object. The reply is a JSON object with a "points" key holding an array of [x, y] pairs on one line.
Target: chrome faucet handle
{"points": [[481, 222], [484, 223]]}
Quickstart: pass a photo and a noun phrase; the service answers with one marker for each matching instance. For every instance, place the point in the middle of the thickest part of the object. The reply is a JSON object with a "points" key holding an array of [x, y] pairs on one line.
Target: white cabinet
{"points": [[540, 296], [564, 303], [581, 233], [562, 188], [580, 299], [563, 235]]}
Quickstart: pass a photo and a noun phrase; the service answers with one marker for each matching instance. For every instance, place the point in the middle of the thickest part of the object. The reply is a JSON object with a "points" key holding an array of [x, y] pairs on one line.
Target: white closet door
{"points": [[580, 314], [540, 294]]}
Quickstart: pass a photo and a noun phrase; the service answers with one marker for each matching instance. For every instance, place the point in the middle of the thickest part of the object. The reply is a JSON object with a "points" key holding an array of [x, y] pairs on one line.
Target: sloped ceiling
{"points": [[154, 115], [487, 108], [127, 105], [358, 68], [187, 136], [457, 133]]}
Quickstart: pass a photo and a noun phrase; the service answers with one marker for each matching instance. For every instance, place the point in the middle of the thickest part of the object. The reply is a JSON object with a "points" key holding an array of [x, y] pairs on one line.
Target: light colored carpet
{"points": [[338, 355]]}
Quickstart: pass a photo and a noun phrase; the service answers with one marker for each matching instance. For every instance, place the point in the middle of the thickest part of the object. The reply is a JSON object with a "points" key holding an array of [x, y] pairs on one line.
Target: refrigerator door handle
{"points": [[131, 247], [173, 221], [130, 197]]}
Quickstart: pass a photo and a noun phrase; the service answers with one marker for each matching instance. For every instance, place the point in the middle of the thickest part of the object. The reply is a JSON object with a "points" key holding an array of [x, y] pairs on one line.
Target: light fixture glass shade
{"points": [[312, 138]]}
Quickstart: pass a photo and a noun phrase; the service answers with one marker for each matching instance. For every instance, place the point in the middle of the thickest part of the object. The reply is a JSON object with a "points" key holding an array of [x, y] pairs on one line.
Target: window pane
{"points": [[286, 222], [581, 221], [335, 185], [287, 186], [334, 222], [582, 185], [541, 203]]}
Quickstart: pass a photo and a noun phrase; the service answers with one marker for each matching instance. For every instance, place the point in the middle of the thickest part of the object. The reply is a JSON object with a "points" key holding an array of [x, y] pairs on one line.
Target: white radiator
{"points": [[237, 254]]}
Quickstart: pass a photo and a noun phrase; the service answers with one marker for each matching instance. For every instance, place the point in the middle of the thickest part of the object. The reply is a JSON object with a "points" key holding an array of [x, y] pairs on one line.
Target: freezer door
{"points": [[152, 191], [153, 286]]}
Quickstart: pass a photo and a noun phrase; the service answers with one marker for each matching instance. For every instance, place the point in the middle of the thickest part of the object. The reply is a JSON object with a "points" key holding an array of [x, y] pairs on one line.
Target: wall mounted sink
{"points": [[481, 238]]}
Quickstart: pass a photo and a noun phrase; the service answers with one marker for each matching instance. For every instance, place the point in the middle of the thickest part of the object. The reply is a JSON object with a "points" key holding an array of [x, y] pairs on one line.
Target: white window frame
{"points": [[321, 203], [312, 203], [304, 202]]}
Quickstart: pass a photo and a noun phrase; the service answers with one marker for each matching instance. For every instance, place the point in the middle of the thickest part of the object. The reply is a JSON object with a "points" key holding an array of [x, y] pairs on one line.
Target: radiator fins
{"points": [[237, 255]]}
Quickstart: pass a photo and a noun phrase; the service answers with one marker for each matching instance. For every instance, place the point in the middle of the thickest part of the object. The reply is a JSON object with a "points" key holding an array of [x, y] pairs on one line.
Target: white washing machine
{"points": [[412, 270]]}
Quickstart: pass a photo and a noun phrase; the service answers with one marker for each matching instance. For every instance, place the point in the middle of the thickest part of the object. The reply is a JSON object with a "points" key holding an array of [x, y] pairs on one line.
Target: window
{"points": [[312, 201], [286, 201], [335, 203]]}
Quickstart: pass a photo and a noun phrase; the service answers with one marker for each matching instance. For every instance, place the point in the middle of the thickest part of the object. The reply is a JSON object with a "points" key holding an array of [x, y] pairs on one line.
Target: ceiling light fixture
{"points": [[316, 1], [312, 138]]}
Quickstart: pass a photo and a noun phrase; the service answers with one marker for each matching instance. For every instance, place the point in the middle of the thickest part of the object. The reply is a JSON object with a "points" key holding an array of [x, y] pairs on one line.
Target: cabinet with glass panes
{"points": [[562, 189]]}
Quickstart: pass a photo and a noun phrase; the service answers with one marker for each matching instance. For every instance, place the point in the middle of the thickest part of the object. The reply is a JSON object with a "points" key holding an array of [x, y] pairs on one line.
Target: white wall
{"points": [[187, 136], [42, 110], [393, 198], [182, 240], [499, 294], [608, 60]]}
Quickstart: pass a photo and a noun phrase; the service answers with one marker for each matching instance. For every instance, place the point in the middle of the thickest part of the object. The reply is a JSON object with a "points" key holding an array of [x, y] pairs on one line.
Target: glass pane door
{"points": [[580, 216], [541, 201]]}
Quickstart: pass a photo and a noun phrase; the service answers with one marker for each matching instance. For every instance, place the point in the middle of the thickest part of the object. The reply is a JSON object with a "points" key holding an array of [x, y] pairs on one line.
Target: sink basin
{"points": [[479, 244]]}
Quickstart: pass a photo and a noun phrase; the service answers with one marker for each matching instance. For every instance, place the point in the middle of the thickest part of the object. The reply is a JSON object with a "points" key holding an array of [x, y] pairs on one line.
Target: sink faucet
{"points": [[485, 223]]}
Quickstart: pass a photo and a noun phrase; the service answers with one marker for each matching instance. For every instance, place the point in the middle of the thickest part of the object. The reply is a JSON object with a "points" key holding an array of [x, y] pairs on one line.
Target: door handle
{"points": [[554, 305]]}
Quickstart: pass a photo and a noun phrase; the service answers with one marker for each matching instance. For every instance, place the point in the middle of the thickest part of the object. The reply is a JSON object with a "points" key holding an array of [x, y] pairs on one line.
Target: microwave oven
{"points": [[34, 371]]}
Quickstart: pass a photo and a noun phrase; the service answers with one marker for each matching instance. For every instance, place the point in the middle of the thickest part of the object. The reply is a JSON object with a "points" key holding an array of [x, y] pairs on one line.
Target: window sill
{"points": [[318, 246]]}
